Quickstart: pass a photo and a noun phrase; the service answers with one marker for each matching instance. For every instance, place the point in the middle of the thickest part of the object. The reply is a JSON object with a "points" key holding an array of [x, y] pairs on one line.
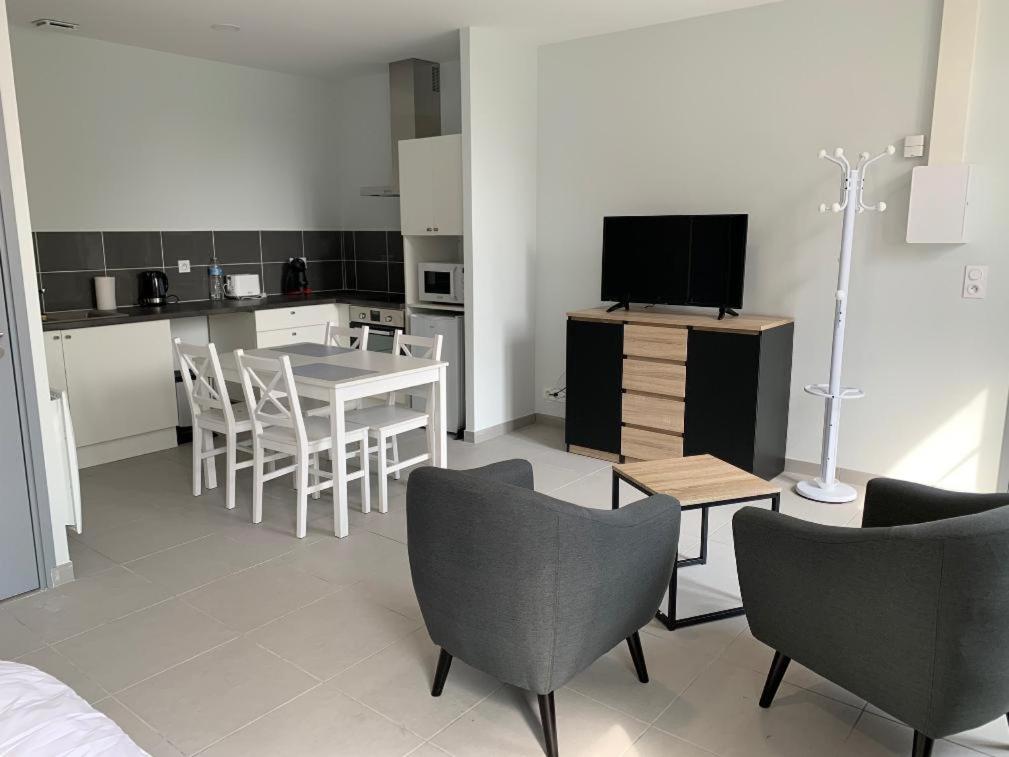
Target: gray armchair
{"points": [[910, 612], [529, 589]]}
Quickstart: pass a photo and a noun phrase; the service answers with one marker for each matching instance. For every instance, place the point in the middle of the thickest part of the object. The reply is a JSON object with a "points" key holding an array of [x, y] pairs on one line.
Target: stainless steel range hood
{"points": [[415, 108]]}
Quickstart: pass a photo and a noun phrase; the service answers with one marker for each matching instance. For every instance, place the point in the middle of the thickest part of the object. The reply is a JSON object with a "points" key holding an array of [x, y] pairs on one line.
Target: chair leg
{"points": [[383, 477], [314, 463], [230, 472], [210, 461], [922, 746], [365, 478], [395, 456], [197, 461], [441, 673], [778, 667], [257, 481], [549, 718], [301, 472], [638, 655]]}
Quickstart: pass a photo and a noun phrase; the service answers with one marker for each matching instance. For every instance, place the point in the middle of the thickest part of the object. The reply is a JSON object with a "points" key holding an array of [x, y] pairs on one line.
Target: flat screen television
{"points": [[675, 260]]}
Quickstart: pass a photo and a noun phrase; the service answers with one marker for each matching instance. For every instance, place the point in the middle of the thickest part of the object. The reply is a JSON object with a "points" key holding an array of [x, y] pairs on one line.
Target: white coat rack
{"points": [[827, 488]]}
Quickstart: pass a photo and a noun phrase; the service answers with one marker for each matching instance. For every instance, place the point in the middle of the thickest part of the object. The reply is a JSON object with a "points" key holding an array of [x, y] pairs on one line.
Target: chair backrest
{"points": [[344, 336], [204, 381], [428, 347], [270, 394], [575, 581]]}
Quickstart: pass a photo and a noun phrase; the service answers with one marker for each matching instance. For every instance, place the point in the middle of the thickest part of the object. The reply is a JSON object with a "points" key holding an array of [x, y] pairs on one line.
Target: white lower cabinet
{"points": [[121, 387], [280, 337], [275, 327]]}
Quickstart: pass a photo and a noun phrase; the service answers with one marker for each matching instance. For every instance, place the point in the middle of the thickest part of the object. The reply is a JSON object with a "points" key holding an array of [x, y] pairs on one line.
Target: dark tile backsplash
{"points": [[132, 249], [194, 246], [70, 251], [281, 246], [367, 263], [237, 246]]}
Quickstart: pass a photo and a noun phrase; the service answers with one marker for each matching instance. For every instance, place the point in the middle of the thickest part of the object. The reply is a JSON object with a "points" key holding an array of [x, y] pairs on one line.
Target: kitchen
{"points": [[115, 297]]}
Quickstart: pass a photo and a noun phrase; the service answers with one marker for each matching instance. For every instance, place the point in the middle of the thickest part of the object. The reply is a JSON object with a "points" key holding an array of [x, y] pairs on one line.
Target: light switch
{"points": [[184, 266], [975, 282]]}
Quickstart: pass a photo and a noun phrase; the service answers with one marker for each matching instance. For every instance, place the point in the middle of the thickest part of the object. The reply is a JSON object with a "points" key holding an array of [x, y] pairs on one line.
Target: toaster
{"points": [[241, 285]]}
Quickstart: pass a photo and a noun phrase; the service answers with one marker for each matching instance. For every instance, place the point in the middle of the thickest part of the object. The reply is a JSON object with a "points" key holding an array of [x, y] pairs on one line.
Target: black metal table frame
{"points": [[668, 618]]}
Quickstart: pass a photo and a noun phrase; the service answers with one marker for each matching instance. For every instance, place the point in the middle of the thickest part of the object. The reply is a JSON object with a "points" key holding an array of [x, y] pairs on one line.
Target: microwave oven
{"points": [[440, 282]]}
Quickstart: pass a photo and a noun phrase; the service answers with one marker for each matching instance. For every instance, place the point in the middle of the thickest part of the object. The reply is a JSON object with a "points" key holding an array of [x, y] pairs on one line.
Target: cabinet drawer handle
{"points": [[56, 338], [430, 229], [436, 228], [292, 312], [67, 336]]}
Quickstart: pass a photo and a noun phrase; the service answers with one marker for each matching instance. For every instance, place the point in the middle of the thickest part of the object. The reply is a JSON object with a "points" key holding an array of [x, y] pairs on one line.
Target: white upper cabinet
{"points": [[430, 186]]}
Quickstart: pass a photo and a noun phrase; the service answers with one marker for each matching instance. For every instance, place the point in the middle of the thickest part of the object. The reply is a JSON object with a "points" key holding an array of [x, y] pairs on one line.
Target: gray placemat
{"points": [[313, 349], [328, 372]]}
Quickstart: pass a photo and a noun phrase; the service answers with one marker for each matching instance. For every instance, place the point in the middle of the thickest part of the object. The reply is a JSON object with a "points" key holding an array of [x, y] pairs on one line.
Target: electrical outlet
{"points": [[184, 266], [975, 282]]}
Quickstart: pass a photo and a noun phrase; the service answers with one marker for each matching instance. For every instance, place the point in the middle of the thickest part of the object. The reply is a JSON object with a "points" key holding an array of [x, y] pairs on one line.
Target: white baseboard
{"points": [[550, 420], [62, 574], [848, 475], [499, 430], [131, 446]]}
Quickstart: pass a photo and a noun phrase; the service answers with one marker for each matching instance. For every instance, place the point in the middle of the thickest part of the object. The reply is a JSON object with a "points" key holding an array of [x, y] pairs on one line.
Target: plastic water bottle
{"points": [[216, 275]]}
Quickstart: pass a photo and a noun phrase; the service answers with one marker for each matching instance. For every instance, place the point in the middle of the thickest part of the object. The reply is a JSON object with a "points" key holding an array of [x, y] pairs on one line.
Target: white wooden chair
{"points": [[386, 422], [278, 425], [212, 412], [344, 336]]}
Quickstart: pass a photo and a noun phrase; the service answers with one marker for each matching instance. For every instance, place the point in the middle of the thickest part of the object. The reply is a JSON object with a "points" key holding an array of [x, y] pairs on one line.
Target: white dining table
{"points": [[367, 374]]}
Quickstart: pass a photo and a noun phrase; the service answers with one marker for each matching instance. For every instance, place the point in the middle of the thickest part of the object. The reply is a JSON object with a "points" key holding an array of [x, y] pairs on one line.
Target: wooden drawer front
{"points": [[655, 377], [649, 445], [655, 342], [279, 337], [303, 315], [663, 413]]}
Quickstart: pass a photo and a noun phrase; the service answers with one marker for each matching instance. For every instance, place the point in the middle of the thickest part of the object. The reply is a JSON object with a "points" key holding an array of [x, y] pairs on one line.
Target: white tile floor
{"points": [[200, 633]]}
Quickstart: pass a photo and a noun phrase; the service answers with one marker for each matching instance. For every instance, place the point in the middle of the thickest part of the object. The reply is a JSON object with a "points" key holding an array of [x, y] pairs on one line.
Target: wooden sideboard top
{"points": [[748, 324]]}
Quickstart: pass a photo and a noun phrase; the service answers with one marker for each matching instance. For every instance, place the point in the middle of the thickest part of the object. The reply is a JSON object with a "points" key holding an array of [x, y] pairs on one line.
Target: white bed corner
{"points": [[42, 717]]}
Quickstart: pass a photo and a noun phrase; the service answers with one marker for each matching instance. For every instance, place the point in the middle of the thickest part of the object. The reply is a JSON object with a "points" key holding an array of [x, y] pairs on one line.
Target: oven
{"points": [[382, 323]]}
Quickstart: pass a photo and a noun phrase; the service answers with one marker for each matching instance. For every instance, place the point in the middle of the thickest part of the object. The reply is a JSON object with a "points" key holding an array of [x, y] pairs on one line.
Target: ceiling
{"points": [[337, 38]]}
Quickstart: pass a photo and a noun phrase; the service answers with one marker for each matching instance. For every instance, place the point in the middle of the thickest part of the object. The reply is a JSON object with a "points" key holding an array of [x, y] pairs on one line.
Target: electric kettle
{"points": [[153, 288]]}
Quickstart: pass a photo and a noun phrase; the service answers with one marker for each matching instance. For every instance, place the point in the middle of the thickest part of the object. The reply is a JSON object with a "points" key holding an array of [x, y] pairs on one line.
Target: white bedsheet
{"points": [[41, 716]]}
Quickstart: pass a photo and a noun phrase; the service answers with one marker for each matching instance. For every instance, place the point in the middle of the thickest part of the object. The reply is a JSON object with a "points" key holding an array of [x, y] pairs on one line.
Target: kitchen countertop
{"points": [[79, 319]]}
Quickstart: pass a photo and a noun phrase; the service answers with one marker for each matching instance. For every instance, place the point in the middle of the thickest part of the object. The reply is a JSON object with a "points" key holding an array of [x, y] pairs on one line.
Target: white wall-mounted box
{"points": [[940, 199]]}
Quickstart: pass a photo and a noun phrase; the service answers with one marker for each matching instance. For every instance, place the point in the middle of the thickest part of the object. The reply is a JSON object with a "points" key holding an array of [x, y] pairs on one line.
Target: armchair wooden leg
{"points": [[922, 745], [549, 718], [778, 667], [638, 655], [441, 673]]}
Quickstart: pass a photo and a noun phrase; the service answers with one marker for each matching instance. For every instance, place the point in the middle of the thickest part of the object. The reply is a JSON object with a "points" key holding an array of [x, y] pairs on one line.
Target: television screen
{"points": [[675, 260]]}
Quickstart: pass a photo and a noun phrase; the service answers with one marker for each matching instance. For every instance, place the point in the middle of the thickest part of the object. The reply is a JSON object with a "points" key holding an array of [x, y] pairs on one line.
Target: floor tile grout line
{"points": [[109, 621], [173, 666], [139, 717], [258, 718], [465, 712]]}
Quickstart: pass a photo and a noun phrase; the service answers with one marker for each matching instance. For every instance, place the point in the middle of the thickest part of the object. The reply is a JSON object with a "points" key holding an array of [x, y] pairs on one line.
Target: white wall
{"points": [[119, 137], [22, 219], [499, 73], [726, 113]]}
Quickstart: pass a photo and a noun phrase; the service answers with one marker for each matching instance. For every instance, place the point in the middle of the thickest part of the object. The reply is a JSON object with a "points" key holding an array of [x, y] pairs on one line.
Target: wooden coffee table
{"points": [[699, 482]]}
